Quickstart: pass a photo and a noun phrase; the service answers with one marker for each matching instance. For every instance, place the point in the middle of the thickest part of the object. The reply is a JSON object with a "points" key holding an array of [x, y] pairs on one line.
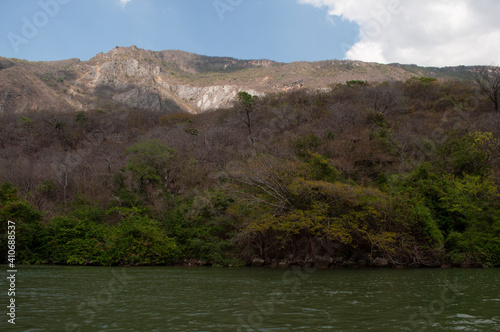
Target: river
{"points": [[65, 298]]}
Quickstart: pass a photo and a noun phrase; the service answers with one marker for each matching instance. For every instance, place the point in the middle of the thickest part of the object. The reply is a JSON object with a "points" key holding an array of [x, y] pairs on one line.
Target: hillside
{"points": [[394, 174], [170, 81]]}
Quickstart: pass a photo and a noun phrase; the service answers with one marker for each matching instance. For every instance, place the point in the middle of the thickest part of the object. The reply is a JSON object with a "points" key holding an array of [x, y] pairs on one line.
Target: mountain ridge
{"points": [[174, 80]]}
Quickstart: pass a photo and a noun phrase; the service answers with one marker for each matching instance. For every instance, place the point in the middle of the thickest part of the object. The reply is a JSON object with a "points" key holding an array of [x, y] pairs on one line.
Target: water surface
{"points": [[62, 298]]}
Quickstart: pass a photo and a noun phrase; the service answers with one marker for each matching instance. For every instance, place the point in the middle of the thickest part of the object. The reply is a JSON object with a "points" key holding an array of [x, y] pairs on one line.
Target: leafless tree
{"points": [[488, 80]]}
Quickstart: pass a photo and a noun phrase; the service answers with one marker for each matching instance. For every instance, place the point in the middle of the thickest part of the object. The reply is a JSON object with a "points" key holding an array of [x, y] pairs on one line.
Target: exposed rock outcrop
{"points": [[380, 262], [257, 262], [209, 98], [170, 81]]}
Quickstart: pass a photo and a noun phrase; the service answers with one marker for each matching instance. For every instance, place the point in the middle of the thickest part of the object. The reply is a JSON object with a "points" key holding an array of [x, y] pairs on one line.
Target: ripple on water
{"points": [[177, 299]]}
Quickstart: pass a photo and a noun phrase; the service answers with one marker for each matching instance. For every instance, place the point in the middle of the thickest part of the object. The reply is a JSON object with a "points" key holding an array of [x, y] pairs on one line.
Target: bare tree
{"points": [[488, 80], [385, 97]]}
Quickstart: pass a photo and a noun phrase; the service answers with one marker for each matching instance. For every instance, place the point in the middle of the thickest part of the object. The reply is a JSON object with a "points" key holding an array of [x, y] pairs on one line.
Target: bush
{"points": [[202, 228], [175, 118], [70, 240], [466, 154], [135, 239], [27, 223], [140, 240], [150, 162]]}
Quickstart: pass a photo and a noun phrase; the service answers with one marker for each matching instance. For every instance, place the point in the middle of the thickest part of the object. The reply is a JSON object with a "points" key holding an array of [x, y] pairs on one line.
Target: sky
{"points": [[423, 32]]}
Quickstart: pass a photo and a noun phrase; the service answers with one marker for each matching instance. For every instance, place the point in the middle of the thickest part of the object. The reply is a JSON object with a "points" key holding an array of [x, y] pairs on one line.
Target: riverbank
{"points": [[322, 263], [328, 176]]}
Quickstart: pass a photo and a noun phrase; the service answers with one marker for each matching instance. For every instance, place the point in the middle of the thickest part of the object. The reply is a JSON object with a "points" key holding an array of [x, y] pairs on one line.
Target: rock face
{"points": [[139, 98], [169, 81], [144, 84], [283, 265], [257, 262], [380, 262], [324, 261], [122, 78], [211, 97]]}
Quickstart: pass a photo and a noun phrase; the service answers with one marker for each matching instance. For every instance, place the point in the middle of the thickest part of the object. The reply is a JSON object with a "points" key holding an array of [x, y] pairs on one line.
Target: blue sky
{"points": [[280, 30], [423, 32]]}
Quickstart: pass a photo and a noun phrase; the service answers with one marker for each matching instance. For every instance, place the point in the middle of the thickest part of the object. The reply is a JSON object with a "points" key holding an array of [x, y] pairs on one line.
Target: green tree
{"points": [[74, 241], [467, 154], [247, 102], [141, 240], [292, 202], [27, 226], [150, 162]]}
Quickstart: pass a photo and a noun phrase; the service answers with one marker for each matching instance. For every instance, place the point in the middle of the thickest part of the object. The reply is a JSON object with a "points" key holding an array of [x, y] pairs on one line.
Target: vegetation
{"points": [[488, 80], [407, 172]]}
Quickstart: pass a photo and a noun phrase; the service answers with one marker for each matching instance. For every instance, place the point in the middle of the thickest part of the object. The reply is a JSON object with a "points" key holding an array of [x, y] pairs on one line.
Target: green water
{"points": [[58, 298]]}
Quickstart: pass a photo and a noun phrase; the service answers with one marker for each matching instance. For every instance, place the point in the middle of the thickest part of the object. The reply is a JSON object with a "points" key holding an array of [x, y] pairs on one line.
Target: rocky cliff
{"points": [[170, 81]]}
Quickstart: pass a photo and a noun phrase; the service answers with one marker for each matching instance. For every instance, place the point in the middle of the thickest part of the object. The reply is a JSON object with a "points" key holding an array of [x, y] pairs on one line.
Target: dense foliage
{"points": [[407, 172]]}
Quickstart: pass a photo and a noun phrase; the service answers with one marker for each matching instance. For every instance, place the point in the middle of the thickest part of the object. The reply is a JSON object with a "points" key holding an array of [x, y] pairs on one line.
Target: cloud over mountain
{"points": [[425, 32]]}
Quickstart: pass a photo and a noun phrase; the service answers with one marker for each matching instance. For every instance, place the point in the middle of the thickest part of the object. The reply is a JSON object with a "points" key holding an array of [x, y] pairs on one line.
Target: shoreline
{"points": [[280, 266]]}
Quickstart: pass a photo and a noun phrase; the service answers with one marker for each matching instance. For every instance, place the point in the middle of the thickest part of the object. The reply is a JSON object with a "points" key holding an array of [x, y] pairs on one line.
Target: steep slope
{"points": [[22, 89], [171, 81]]}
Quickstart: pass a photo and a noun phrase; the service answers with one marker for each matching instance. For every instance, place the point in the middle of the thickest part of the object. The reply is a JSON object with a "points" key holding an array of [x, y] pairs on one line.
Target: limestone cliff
{"points": [[169, 81]]}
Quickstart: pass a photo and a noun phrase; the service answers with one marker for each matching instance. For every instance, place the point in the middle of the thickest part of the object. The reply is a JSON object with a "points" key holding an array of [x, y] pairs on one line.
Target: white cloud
{"points": [[124, 2], [424, 32]]}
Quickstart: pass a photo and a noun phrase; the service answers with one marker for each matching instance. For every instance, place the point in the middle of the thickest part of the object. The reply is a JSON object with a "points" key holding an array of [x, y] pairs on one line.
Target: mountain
{"points": [[173, 81]]}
